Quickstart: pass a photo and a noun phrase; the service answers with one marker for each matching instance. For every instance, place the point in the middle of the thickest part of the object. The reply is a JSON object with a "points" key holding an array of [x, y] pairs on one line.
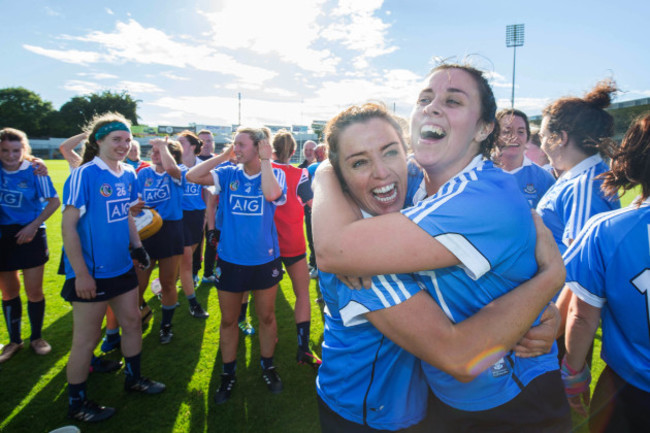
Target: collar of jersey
{"points": [[582, 166], [101, 164], [23, 166]]}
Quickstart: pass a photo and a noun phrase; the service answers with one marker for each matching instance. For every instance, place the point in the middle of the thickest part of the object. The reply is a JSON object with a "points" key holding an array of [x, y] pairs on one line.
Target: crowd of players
{"points": [[432, 271]]}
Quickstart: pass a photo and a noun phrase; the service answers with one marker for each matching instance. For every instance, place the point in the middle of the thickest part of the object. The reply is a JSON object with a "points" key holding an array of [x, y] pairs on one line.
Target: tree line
{"points": [[24, 109]]}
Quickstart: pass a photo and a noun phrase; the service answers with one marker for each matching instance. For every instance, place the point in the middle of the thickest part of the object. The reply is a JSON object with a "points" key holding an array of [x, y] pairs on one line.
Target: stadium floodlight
{"points": [[514, 39]]}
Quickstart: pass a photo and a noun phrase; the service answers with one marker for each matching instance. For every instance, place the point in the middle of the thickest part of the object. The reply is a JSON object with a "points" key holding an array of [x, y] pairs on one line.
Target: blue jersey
{"points": [[573, 199], [162, 192], [533, 181], [480, 217], [219, 214], [23, 195], [103, 198], [365, 377], [248, 233], [311, 169], [192, 195], [608, 267]]}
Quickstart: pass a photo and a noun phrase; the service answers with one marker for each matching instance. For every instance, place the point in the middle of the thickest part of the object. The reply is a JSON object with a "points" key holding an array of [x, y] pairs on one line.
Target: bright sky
{"points": [[294, 61]]}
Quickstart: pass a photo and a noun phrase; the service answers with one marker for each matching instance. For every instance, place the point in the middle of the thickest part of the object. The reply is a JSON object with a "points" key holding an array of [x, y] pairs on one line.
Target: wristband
{"points": [[575, 382]]}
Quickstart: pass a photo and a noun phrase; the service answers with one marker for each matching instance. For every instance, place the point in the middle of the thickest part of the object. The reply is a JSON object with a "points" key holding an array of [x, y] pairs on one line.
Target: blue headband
{"points": [[104, 130]]}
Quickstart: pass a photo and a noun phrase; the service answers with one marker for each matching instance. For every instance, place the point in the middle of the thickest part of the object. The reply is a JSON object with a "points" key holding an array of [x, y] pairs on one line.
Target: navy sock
{"points": [[192, 299], [76, 395], [266, 362], [303, 335], [13, 311], [36, 312], [132, 367], [167, 315], [242, 312], [112, 334], [230, 367]]}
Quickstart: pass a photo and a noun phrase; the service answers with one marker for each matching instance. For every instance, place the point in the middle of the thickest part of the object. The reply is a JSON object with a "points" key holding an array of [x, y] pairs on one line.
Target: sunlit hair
{"points": [[256, 134], [193, 139], [514, 112], [91, 148], [204, 131], [631, 162], [585, 120], [12, 134], [488, 103], [350, 116], [284, 145]]}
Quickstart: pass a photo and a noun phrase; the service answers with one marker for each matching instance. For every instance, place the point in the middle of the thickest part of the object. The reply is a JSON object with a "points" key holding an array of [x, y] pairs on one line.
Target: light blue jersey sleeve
{"points": [[386, 291]]}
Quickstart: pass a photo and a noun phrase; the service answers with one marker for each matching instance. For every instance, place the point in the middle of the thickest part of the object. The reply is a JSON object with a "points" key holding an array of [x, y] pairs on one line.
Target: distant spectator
{"points": [[308, 153]]}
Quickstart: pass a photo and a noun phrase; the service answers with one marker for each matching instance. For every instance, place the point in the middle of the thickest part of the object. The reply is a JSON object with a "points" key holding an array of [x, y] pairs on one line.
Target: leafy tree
{"points": [[25, 110], [79, 110]]}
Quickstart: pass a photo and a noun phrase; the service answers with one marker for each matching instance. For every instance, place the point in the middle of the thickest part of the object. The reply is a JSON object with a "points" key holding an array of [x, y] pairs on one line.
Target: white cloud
{"points": [[82, 87], [138, 87], [530, 106], [358, 29], [109, 11], [284, 28], [130, 42], [51, 12], [97, 75], [172, 76], [68, 56]]}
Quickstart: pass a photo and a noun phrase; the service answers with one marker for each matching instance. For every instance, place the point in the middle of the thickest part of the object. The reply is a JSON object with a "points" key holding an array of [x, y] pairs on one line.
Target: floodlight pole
{"points": [[514, 38], [239, 117], [514, 62]]}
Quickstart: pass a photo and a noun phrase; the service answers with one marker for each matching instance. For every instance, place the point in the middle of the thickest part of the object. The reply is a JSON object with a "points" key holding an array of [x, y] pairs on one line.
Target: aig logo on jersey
{"points": [[245, 205], [117, 210], [156, 195], [10, 198], [192, 189]]}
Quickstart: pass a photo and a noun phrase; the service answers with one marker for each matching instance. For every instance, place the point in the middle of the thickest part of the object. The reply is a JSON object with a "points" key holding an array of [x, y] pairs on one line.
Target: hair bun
{"points": [[601, 95]]}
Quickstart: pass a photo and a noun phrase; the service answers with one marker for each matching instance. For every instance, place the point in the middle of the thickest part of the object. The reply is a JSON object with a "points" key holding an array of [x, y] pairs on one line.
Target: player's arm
{"points": [[270, 186], [200, 173], [67, 149], [166, 158], [84, 283], [27, 233], [210, 210], [581, 325], [465, 349]]}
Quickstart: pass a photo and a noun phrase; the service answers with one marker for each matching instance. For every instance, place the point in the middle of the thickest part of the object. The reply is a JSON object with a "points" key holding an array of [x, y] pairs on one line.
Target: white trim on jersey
{"points": [[526, 162], [354, 314], [443, 304], [472, 261], [585, 295]]}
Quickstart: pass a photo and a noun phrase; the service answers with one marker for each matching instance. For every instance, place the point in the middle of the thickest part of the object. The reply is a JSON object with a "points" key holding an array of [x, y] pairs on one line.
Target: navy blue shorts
{"points": [[14, 257], [107, 288], [616, 406], [193, 226], [167, 242], [239, 278], [332, 422], [540, 407], [288, 261]]}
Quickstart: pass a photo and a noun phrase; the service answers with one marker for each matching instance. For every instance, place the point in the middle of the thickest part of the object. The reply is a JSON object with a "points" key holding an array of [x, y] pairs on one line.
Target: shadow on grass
{"points": [[252, 408], [34, 381]]}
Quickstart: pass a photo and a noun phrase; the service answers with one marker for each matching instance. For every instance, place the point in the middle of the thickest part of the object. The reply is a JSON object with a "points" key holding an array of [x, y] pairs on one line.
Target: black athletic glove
{"points": [[213, 238], [140, 254]]}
